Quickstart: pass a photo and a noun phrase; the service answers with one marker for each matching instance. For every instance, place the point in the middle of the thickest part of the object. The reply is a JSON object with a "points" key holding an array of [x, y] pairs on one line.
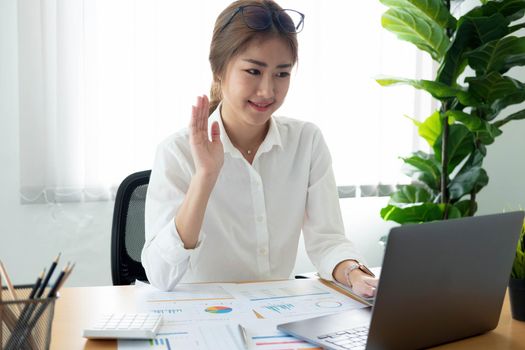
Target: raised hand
{"points": [[207, 155]]}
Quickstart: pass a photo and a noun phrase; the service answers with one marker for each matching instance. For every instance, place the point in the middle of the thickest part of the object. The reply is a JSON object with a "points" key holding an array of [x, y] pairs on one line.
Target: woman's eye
{"points": [[253, 71], [283, 74]]}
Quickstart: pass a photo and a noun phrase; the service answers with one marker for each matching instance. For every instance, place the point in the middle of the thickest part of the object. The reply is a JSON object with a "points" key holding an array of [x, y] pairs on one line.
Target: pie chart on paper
{"points": [[218, 309]]}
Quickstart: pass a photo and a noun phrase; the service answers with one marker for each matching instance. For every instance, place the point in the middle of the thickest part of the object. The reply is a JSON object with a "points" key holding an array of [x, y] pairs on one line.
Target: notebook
{"points": [[440, 281]]}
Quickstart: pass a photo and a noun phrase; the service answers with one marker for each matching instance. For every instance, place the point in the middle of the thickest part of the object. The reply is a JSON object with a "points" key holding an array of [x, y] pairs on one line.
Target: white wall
{"points": [[505, 164], [31, 235]]}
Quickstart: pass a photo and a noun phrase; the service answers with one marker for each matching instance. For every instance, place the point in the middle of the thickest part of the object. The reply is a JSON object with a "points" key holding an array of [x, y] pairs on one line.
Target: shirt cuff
{"points": [[171, 248], [334, 258]]}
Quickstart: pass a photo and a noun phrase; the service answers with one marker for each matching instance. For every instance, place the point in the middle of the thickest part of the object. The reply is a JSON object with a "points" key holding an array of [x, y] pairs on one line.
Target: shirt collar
{"points": [[273, 137]]}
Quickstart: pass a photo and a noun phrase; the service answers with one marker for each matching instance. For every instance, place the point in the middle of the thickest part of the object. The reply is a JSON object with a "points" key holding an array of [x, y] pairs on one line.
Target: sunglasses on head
{"points": [[261, 18]]}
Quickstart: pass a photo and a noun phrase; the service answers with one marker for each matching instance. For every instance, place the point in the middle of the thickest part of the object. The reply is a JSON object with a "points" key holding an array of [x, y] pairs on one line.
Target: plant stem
{"points": [[444, 160], [472, 208], [445, 105], [478, 145]]}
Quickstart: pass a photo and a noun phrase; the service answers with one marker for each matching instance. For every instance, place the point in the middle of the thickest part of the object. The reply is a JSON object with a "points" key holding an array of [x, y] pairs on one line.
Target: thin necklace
{"points": [[249, 151]]}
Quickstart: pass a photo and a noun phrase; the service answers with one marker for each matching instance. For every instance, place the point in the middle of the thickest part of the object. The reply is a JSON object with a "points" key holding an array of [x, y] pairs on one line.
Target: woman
{"points": [[232, 208]]}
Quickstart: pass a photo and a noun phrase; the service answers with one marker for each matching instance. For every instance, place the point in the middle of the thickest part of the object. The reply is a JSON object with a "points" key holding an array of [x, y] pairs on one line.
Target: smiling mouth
{"points": [[261, 107]]}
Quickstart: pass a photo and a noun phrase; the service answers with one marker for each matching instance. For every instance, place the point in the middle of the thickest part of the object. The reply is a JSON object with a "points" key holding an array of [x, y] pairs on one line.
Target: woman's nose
{"points": [[266, 87]]}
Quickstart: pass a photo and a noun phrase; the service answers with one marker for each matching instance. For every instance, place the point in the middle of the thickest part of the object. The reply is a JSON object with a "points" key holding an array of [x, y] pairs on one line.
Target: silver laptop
{"points": [[440, 281]]}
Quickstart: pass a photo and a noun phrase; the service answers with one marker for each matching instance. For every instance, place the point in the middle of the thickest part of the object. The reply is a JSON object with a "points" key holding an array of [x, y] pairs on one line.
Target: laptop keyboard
{"points": [[352, 339]]}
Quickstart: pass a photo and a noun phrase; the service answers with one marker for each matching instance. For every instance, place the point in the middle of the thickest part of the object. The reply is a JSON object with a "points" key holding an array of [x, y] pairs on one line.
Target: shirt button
{"points": [[260, 218], [262, 251]]}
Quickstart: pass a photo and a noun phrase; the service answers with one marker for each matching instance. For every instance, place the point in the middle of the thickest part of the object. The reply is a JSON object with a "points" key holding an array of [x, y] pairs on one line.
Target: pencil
{"points": [[48, 276], [66, 276], [37, 284], [10, 286], [33, 316], [58, 281], [29, 306], [25, 314]]}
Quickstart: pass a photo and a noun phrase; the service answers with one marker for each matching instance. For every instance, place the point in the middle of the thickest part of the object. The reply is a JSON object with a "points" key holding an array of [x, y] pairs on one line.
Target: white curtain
{"points": [[101, 83]]}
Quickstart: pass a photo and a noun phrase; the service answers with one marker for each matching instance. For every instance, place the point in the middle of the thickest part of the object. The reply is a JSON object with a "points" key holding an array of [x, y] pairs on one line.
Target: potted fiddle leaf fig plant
{"points": [[474, 53], [517, 280]]}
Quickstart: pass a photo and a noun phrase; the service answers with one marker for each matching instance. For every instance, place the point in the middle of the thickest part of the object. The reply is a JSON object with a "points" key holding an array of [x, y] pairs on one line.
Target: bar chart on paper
{"points": [[280, 308], [173, 340], [314, 306], [167, 311], [159, 343], [279, 341]]}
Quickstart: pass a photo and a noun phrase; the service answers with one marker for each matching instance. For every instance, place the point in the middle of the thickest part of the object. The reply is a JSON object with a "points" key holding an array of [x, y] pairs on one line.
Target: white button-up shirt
{"points": [[255, 213]]}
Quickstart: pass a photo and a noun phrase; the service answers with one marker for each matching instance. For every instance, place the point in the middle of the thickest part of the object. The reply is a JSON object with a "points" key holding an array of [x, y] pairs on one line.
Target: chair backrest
{"points": [[127, 233]]}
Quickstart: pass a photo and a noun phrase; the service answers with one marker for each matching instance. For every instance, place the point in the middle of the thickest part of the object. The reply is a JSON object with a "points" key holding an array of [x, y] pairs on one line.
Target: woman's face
{"points": [[256, 82]]}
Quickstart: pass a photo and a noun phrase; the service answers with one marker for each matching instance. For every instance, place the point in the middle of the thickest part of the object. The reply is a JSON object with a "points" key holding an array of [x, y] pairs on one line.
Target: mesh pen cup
{"points": [[25, 323]]}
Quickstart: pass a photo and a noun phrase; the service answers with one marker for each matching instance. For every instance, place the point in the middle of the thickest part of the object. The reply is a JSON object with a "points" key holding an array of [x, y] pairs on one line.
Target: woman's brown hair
{"points": [[231, 36]]}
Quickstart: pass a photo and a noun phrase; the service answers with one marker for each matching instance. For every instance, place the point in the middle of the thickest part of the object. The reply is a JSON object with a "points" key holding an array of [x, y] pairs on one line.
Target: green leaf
{"points": [[433, 9], [471, 33], [514, 116], [484, 131], [460, 145], [410, 194], [431, 128], [516, 27], [496, 91], [415, 214], [472, 122], [498, 55], [489, 134], [464, 207], [476, 157], [453, 212], [438, 90], [518, 266], [409, 25], [511, 9], [466, 181], [424, 168]]}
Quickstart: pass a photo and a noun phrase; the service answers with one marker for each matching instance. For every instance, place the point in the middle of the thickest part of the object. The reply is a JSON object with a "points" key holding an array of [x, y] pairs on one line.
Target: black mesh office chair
{"points": [[127, 233]]}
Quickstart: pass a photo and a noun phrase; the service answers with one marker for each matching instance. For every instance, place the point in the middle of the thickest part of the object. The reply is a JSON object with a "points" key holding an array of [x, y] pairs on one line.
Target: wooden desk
{"points": [[78, 308]]}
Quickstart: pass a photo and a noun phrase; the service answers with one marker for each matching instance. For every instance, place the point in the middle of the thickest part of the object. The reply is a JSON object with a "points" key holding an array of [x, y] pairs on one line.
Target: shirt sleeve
{"points": [[323, 228], [164, 257]]}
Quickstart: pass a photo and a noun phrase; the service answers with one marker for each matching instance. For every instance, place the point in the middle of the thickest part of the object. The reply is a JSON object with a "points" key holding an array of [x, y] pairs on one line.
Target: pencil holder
{"points": [[25, 323]]}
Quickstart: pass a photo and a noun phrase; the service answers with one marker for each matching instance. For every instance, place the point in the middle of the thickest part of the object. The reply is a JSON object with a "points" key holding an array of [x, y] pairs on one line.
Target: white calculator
{"points": [[125, 326]]}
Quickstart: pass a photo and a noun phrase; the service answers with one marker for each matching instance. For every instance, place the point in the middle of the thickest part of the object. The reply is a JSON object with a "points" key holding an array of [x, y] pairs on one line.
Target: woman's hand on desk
{"points": [[360, 282], [207, 155], [363, 284]]}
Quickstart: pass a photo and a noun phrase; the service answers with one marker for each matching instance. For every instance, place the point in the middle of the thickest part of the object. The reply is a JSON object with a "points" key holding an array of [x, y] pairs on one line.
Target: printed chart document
{"points": [[207, 316]]}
